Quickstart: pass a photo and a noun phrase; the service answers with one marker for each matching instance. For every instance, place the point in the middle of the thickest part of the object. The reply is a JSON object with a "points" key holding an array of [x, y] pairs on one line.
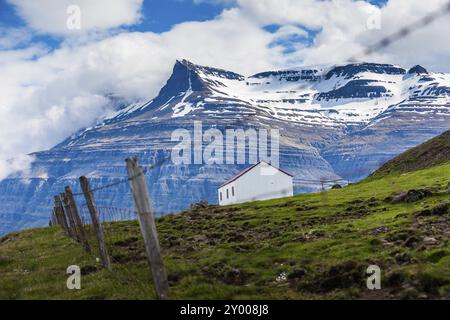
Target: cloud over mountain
{"points": [[50, 93]]}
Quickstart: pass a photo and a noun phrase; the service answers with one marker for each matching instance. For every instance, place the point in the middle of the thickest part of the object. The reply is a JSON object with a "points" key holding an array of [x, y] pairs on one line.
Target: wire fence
{"points": [[105, 231], [403, 32]]}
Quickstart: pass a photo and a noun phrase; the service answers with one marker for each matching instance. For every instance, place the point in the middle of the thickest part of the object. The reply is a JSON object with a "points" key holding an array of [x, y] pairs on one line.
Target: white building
{"points": [[259, 182]]}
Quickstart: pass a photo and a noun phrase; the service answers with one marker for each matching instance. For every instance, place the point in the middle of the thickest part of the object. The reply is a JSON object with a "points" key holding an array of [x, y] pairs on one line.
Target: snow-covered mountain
{"points": [[336, 121]]}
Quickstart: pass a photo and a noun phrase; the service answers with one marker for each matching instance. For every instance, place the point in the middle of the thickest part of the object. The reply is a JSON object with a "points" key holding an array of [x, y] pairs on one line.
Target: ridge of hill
{"points": [[430, 153]]}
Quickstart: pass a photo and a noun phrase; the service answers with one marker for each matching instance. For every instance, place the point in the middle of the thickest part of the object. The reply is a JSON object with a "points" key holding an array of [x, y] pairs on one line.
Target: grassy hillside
{"points": [[431, 153], [312, 246]]}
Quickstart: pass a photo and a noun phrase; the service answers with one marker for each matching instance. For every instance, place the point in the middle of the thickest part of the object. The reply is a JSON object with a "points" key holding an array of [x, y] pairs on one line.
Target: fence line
{"points": [[79, 221], [145, 169], [90, 225], [404, 32]]}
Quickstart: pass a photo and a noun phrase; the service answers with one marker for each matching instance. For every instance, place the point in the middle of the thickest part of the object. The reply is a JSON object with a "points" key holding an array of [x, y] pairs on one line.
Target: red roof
{"points": [[249, 169]]}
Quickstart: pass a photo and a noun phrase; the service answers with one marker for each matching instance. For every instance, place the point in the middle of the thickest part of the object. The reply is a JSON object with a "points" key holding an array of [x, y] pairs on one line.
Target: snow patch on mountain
{"points": [[334, 122]]}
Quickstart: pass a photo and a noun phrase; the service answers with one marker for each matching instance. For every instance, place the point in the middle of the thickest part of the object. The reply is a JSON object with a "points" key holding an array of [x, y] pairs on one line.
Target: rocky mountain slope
{"points": [[335, 122], [431, 153]]}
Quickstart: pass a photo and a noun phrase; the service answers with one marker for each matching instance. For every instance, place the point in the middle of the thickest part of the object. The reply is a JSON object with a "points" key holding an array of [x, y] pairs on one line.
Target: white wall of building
{"points": [[232, 195], [263, 182]]}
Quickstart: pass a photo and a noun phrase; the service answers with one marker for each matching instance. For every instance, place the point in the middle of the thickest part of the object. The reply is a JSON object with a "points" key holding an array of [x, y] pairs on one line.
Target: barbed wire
{"points": [[404, 32], [145, 170]]}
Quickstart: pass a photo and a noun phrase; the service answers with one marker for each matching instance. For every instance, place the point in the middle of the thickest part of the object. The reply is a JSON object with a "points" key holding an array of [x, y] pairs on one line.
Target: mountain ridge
{"points": [[348, 133], [322, 100]]}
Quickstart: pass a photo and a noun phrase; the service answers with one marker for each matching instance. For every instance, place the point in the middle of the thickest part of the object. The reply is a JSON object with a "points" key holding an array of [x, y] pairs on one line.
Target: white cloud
{"points": [[51, 16], [345, 29], [50, 96], [21, 163]]}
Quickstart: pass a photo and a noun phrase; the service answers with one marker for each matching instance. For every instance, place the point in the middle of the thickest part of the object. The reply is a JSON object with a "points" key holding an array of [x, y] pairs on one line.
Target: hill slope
{"points": [[311, 246], [431, 153]]}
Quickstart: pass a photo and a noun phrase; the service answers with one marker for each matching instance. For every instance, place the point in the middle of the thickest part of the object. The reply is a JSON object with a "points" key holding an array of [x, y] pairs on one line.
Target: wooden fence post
{"points": [[53, 218], [58, 217], [61, 216], [98, 228], [148, 227], [72, 226], [76, 215]]}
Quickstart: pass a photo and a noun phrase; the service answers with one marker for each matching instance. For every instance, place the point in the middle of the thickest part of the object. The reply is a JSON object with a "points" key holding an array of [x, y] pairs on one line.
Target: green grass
{"points": [[312, 246]]}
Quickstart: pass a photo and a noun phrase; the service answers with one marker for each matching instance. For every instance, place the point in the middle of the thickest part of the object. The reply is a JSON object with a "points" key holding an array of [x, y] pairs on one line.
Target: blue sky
{"points": [[158, 16], [161, 15]]}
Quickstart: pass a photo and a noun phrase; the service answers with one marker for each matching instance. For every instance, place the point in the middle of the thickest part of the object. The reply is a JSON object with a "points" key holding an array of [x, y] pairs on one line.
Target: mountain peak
{"points": [[418, 69], [185, 63], [208, 71]]}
